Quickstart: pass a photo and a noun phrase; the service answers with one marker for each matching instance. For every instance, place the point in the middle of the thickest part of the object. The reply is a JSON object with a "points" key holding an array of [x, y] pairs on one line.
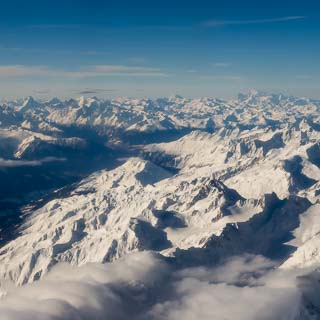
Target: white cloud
{"points": [[243, 289], [142, 286], [94, 291]]}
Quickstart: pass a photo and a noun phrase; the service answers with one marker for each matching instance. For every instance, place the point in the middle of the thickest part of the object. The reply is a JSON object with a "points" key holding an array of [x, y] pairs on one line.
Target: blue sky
{"points": [[158, 48]]}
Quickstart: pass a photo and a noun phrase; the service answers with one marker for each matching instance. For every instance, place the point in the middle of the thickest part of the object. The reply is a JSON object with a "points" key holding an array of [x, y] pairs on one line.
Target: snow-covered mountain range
{"points": [[195, 181], [146, 115]]}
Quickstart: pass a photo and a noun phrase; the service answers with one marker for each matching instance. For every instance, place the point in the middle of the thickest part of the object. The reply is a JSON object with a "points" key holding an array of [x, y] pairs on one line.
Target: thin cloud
{"points": [[217, 23], [4, 163], [136, 60], [62, 52], [45, 91], [92, 53], [87, 27], [55, 26], [235, 78], [95, 91], [121, 68], [303, 77], [221, 64], [18, 71]]}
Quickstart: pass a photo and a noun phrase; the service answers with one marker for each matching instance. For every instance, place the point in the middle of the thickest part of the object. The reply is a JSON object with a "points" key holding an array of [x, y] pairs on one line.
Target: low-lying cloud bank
{"points": [[144, 286]]}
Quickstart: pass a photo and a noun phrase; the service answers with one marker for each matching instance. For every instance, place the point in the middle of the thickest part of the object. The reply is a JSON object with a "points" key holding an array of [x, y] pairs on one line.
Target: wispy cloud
{"points": [[191, 71], [221, 64], [137, 60], [217, 23], [18, 71], [60, 51], [44, 91], [235, 78], [56, 26], [27, 163], [303, 77], [121, 68], [94, 91]]}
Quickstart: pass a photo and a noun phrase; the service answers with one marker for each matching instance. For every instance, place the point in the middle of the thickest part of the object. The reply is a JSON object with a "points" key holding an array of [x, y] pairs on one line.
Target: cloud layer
{"points": [[143, 286]]}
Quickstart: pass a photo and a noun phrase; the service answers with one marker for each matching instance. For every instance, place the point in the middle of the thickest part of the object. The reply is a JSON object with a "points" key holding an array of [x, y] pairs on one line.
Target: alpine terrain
{"points": [[168, 208]]}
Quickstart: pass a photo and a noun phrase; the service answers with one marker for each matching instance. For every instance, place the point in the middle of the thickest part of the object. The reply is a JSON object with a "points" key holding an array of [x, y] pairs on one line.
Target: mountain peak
{"points": [[54, 101], [29, 103]]}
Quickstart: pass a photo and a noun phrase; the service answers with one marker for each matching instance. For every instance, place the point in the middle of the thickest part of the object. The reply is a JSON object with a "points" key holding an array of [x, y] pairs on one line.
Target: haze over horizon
{"points": [[108, 49]]}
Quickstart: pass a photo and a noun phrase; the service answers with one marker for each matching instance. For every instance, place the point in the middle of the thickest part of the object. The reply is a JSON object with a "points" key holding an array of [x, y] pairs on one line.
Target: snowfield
{"points": [[214, 212]]}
